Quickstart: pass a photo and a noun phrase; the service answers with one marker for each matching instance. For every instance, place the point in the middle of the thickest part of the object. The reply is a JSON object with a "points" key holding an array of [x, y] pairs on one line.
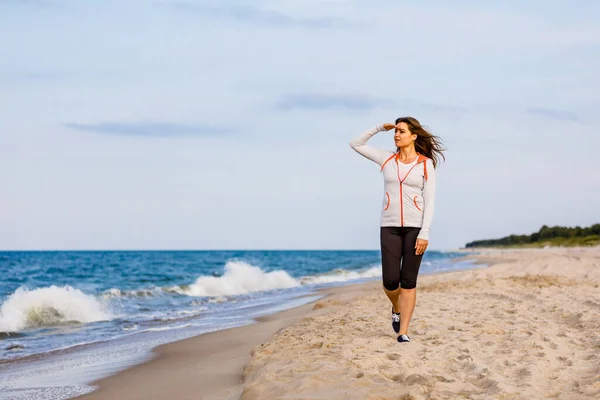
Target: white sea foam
{"points": [[192, 312], [218, 299], [341, 275], [112, 293], [133, 327], [116, 293], [49, 306], [240, 278], [167, 328]]}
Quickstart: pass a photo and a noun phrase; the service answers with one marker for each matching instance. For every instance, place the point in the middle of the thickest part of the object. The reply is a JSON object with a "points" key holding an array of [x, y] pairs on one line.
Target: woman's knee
{"points": [[391, 284], [408, 283]]}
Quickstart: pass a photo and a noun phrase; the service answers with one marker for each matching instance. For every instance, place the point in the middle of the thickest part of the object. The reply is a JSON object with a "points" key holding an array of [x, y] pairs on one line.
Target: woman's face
{"points": [[402, 135]]}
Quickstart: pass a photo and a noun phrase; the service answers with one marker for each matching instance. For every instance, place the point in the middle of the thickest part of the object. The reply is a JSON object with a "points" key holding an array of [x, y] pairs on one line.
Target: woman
{"points": [[407, 210]]}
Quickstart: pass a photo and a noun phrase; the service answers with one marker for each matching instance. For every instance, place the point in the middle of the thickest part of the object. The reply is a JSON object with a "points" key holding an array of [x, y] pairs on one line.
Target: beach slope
{"points": [[527, 327]]}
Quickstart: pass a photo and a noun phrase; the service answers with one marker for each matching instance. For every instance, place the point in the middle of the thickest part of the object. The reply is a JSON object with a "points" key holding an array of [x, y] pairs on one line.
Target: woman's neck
{"points": [[407, 153]]}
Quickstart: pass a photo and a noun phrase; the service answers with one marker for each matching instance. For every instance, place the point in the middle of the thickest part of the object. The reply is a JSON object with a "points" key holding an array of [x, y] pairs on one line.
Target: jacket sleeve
{"points": [[429, 201], [373, 154]]}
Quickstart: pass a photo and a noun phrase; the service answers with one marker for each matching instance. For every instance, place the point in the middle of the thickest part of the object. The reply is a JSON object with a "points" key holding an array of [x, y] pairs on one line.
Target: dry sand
{"points": [[528, 327], [525, 328]]}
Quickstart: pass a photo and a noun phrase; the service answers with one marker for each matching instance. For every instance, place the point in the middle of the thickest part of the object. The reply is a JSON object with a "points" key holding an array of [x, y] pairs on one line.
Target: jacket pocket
{"points": [[387, 201], [416, 204]]}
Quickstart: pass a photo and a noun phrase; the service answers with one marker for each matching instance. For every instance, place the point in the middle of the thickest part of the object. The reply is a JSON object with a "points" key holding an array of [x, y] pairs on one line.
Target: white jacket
{"points": [[408, 200]]}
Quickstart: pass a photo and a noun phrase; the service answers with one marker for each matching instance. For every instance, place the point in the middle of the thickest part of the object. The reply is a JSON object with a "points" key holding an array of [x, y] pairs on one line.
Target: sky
{"points": [[226, 124]]}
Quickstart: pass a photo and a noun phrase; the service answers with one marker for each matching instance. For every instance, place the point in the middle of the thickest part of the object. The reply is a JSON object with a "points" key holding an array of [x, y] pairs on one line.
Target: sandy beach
{"points": [[526, 327]]}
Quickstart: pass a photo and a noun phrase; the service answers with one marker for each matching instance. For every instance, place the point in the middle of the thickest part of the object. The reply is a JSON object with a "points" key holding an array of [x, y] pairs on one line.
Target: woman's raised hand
{"points": [[388, 126]]}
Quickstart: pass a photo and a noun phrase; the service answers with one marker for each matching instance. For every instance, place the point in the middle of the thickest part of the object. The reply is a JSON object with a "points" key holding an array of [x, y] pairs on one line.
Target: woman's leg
{"points": [[391, 252], [408, 277], [394, 296], [408, 299]]}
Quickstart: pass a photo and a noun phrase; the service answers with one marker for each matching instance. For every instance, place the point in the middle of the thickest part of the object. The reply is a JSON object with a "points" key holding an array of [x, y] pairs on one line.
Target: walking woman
{"points": [[407, 210]]}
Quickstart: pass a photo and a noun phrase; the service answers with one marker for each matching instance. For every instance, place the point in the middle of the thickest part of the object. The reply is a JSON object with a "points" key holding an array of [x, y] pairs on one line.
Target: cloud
{"points": [[256, 16], [561, 115], [322, 101], [423, 106], [153, 129]]}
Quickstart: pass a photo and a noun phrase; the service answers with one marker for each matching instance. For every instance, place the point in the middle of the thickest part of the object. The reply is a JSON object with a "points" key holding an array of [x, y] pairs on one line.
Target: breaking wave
{"points": [[240, 278], [50, 306]]}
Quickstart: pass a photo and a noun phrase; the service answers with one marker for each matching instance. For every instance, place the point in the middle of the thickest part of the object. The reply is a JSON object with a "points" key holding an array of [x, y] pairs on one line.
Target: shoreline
{"points": [[514, 329], [78, 370], [221, 364], [218, 358], [231, 349]]}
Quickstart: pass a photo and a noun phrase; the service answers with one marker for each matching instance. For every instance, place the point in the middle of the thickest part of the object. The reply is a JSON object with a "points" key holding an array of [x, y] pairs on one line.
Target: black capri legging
{"points": [[400, 264]]}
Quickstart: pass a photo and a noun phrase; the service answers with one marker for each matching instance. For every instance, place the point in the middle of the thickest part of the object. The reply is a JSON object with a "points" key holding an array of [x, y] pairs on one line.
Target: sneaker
{"points": [[403, 338], [395, 321]]}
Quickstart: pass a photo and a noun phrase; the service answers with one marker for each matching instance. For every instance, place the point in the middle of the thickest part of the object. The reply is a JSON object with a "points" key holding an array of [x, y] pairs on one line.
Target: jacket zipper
{"points": [[401, 207]]}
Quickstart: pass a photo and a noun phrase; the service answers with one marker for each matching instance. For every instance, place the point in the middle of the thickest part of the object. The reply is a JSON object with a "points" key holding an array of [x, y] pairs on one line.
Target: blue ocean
{"points": [[114, 305]]}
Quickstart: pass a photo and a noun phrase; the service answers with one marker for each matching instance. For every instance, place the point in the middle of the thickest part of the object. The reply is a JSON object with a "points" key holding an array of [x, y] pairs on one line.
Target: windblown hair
{"points": [[426, 143]]}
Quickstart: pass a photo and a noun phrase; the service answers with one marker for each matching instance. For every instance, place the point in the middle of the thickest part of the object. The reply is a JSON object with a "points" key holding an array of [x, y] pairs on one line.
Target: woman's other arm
{"points": [[429, 201]]}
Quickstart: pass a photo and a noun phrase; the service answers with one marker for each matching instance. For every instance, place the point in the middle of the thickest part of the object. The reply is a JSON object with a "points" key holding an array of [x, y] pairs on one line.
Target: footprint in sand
{"points": [[523, 373], [565, 361]]}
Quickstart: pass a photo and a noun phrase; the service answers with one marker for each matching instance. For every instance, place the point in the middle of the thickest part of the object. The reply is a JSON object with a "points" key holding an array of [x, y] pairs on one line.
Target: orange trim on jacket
{"points": [[416, 205], [420, 159]]}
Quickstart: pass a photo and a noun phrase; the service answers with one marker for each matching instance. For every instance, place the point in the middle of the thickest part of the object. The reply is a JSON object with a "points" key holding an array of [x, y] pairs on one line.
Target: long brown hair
{"points": [[426, 143]]}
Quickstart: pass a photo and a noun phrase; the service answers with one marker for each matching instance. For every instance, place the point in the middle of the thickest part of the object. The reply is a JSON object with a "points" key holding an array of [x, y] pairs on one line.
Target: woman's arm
{"points": [[373, 154], [429, 201]]}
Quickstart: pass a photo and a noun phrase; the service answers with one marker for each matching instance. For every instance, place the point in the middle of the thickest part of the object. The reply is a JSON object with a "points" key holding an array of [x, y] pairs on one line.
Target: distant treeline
{"points": [[547, 235]]}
